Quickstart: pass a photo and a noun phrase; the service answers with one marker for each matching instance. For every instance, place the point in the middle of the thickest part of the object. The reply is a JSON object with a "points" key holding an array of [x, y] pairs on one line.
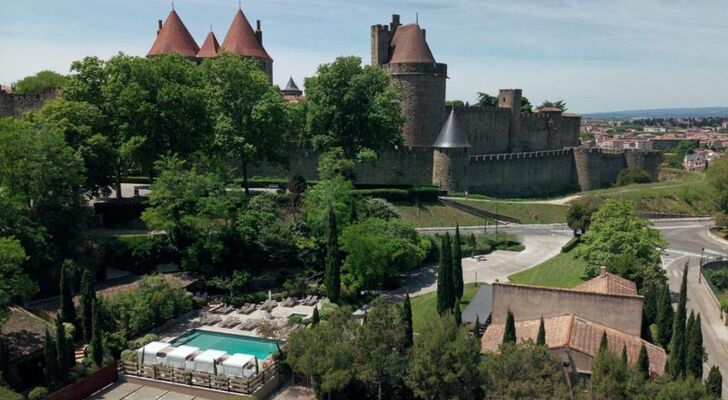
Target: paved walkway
{"points": [[560, 201], [134, 391]]}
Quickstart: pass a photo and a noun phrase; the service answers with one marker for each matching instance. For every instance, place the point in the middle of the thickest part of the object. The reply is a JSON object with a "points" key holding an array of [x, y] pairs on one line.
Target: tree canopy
{"points": [[42, 80]]}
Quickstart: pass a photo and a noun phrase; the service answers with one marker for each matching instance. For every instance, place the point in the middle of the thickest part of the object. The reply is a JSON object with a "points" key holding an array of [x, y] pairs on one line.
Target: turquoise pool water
{"points": [[228, 343]]}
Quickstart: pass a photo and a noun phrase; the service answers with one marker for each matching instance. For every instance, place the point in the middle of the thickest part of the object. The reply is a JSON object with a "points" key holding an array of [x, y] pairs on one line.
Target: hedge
{"points": [[138, 180], [120, 211], [571, 244], [421, 193]]}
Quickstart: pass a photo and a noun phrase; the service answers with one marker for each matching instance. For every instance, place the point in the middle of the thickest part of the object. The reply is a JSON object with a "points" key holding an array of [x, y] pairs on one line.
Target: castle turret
{"points": [[450, 156], [243, 41], [174, 38], [511, 99], [210, 47], [403, 53]]}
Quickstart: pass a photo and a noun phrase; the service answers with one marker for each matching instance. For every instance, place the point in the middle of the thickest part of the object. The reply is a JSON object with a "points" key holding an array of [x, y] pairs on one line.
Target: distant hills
{"points": [[661, 113]]}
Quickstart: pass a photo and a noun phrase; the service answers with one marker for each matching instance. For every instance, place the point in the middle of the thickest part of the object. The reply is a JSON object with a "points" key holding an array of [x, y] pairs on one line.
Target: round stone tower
{"points": [[450, 158], [403, 53]]}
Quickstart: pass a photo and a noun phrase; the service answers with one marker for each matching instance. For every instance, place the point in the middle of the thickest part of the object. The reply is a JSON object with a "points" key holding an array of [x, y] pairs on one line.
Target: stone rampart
{"points": [[15, 105], [623, 313]]}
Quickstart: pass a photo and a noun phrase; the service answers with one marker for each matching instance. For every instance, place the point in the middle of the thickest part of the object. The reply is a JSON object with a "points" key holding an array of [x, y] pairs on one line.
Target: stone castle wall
{"points": [[14, 105], [623, 313]]}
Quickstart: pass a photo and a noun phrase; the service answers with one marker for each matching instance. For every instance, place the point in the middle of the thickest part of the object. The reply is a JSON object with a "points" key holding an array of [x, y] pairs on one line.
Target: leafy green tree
{"points": [[714, 383], [325, 352], [457, 265], [248, 114], [378, 251], [334, 193], [664, 318], [441, 344], [643, 363], [97, 338], [629, 176], [579, 214], [486, 100], [560, 104], [615, 231], [61, 350], [14, 283], [352, 107], [87, 298], [68, 310], [678, 345], [332, 278], [609, 376], [522, 371], [380, 208], [409, 339], [695, 352], [717, 175], [51, 360], [380, 358], [509, 333], [541, 337], [526, 106], [42, 80], [445, 289], [234, 283]]}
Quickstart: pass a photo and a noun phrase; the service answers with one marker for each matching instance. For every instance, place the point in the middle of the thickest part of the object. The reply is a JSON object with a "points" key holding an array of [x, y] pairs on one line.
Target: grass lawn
{"points": [[424, 307], [562, 271], [436, 215], [527, 213]]}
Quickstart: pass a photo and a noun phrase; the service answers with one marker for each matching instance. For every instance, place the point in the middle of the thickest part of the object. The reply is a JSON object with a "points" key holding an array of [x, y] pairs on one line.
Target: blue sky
{"points": [[597, 55]]}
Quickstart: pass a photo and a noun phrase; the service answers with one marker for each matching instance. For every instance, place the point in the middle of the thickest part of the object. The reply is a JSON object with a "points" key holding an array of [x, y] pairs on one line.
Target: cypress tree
{"points": [[61, 350], [509, 333], [407, 322], [51, 360], [445, 295], [541, 338], [457, 262], [68, 311], [643, 363], [87, 298], [695, 351], [625, 358], [476, 329], [333, 262], [714, 383], [315, 319], [353, 216], [473, 245], [665, 315], [457, 313], [678, 344], [97, 340], [603, 343]]}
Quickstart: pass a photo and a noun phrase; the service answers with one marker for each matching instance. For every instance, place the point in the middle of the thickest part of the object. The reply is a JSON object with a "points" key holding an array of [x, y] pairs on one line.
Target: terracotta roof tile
{"points": [[210, 47], [174, 38], [578, 334], [607, 283], [24, 332], [241, 39], [409, 46]]}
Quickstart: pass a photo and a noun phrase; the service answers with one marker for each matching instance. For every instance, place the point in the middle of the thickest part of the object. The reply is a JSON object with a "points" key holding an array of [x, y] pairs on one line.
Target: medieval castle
{"points": [[498, 151]]}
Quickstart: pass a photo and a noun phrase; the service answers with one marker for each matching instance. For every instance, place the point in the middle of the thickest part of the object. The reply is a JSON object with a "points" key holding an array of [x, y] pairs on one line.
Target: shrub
{"points": [[138, 253], [629, 176], [9, 394], [295, 319], [380, 208], [143, 341], [721, 220], [38, 393], [570, 244], [420, 193]]}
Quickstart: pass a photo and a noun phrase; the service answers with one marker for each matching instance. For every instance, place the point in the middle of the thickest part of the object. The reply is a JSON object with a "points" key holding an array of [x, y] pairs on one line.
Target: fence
{"points": [[478, 212], [87, 386], [199, 379]]}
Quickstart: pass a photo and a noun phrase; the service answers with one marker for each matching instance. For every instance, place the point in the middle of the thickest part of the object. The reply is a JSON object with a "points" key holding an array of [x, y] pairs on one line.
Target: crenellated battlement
{"points": [[409, 68], [15, 105], [518, 156]]}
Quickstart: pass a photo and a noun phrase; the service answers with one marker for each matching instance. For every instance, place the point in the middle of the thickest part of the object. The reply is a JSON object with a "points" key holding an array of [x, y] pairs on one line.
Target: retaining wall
{"points": [[87, 386]]}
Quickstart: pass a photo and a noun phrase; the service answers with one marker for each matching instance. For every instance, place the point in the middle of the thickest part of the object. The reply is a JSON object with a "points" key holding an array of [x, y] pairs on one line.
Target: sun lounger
{"points": [[313, 300], [246, 326], [230, 323]]}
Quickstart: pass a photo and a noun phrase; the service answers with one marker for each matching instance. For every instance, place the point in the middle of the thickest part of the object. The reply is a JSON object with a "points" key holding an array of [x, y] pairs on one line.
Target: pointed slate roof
{"points": [[291, 86], [241, 39], [210, 47], [409, 46], [174, 38], [452, 135]]}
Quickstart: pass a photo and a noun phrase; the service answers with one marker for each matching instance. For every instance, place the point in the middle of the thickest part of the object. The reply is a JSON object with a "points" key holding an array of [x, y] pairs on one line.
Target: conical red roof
{"points": [[174, 38], [209, 47], [241, 39], [409, 46]]}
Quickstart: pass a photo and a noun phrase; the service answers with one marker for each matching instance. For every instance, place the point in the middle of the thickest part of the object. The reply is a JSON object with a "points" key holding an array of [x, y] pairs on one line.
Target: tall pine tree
{"points": [[68, 311], [51, 361], [541, 337], [664, 317], [643, 363], [445, 295], [409, 340], [476, 328], [604, 343], [61, 350], [457, 265], [678, 344], [97, 338], [714, 383], [457, 313], [315, 318], [87, 298], [332, 279], [695, 351], [509, 333]]}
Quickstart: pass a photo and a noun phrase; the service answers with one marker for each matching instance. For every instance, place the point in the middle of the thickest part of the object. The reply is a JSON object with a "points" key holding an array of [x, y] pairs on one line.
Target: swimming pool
{"points": [[231, 344]]}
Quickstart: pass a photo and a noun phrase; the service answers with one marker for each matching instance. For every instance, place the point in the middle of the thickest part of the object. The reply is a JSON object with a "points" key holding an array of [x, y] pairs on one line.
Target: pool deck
{"points": [[133, 391]]}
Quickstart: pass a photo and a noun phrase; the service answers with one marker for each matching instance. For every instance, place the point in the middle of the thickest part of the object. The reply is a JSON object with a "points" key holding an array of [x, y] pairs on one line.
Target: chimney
{"points": [[258, 32], [424, 34], [159, 26], [395, 22]]}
